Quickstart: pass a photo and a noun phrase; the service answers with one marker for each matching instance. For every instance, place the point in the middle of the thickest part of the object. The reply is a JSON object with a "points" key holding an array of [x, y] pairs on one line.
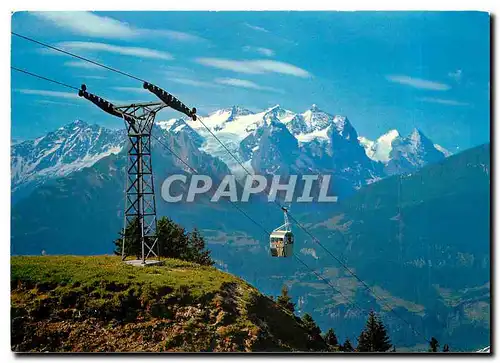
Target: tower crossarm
{"points": [[138, 116], [103, 104], [170, 100]]}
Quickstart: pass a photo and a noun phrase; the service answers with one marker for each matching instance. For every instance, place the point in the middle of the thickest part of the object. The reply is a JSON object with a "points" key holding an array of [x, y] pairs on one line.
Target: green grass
{"points": [[226, 313], [107, 271]]}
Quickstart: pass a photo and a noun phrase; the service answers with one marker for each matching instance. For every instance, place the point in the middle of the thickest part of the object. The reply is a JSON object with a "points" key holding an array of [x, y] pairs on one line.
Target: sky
{"points": [[383, 70]]}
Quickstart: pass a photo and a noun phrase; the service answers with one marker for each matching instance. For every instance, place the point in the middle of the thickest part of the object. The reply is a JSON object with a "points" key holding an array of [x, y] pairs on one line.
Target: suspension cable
{"points": [[42, 77], [77, 56]]}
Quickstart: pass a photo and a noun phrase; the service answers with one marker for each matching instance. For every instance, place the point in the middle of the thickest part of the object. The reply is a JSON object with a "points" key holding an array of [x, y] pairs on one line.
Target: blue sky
{"points": [[382, 70]]}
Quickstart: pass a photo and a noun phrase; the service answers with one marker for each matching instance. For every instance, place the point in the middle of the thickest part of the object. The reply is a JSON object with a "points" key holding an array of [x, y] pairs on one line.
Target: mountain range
{"points": [[272, 142]]}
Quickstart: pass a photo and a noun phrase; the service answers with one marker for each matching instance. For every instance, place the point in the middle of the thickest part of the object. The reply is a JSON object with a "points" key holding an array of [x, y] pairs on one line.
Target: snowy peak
{"points": [[277, 114], [174, 125], [389, 136], [72, 147], [313, 124], [367, 144], [178, 127], [381, 149], [316, 119], [403, 154], [231, 113], [418, 139], [237, 111]]}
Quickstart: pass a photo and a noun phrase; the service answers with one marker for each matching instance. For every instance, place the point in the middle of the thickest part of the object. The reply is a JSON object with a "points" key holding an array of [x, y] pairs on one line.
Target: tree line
{"points": [[173, 242], [373, 338]]}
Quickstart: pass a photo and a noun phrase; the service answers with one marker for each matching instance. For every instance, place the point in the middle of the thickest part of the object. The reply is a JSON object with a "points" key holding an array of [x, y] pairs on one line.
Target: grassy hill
{"points": [[98, 304]]}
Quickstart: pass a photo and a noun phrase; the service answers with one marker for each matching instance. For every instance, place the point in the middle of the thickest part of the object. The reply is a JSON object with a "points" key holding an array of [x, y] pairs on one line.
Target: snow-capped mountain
{"points": [[61, 152], [280, 141], [403, 154], [275, 141]]}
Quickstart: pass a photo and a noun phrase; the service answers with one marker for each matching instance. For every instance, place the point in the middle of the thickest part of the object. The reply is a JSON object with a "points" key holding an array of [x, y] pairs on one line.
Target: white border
{"points": [[9, 5]]}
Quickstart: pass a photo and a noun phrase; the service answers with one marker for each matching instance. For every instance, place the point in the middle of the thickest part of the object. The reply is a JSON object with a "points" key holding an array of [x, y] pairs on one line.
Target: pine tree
{"points": [[176, 243], [374, 337], [197, 250], [133, 244], [172, 239], [315, 340], [331, 339], [285, 301], [433, 345], [347, 346], [446, 348]]}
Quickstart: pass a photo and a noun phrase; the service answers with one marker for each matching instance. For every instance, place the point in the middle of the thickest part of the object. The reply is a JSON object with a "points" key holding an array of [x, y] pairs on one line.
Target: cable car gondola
{"points": [[281, 239]]}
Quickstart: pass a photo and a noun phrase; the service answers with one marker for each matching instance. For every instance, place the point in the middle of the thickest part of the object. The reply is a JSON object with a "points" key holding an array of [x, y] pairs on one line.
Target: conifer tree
{"points": [[446, 348], [331, 339], [433, 345], [172, 239], [197, 250], [347, 346], [315, 340], [133, 244], [285, 301], [173, 242], [374, 337]]}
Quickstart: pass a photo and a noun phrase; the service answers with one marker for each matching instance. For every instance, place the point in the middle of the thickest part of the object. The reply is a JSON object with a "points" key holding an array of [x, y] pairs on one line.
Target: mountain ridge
{"points": [[322, 142]]}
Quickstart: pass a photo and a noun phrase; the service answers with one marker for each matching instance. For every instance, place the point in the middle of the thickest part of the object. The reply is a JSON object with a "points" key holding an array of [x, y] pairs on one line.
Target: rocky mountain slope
{"points": [[98, 304]]}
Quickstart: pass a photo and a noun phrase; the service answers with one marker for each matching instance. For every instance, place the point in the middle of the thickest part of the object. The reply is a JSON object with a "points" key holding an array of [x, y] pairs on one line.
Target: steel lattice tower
{"points": [[140, 203]]}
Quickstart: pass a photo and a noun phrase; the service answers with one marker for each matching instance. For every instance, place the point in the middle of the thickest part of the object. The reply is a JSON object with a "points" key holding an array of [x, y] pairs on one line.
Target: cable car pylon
{"points": [[140, 204]]}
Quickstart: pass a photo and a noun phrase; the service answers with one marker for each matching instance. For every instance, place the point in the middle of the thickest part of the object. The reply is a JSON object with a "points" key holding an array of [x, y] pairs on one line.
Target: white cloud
{"points": [[192, 82], [49, 102], [90, 24], [40, 92], [171, 34], [245, 84], [93, 77], [263, 51], [418, 83], [254, 66], [258, 28], [457, 75], [131, 89], [443, 101], [87, 23], [81, 64], [130, 51]]}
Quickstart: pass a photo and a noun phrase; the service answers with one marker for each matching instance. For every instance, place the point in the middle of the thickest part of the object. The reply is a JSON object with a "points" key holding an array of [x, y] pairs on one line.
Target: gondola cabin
{"points": [[281, 243], [281, 239]]}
